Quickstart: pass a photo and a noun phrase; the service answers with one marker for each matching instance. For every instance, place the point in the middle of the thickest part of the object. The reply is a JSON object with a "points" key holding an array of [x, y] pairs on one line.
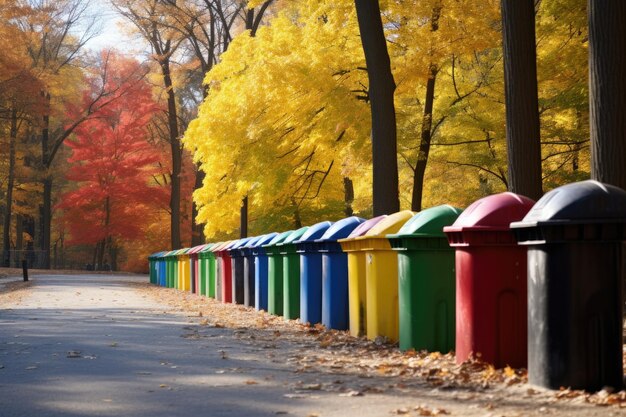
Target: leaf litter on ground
{"points": [[337, 352]]}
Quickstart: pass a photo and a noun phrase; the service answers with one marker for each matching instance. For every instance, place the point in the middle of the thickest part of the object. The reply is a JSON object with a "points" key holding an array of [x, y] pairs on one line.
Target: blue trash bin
{"points": [[260, 270], [334, 288], [311, 273], [248, 270], [162, 269]]}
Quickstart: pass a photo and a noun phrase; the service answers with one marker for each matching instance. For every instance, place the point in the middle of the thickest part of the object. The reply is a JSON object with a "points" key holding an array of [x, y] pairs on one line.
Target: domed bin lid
{"points": [[391, 224], [278, 238], [366, 226], [342, 229], [252, 241], [262, 240], [207, 248], [492, 213], [219, 248], [424, 231], [314, 232], [156, 255], [587, 210], [293, 236], [234, 249], [375, 238], [306, 243], [429, 222], [204, 252]]}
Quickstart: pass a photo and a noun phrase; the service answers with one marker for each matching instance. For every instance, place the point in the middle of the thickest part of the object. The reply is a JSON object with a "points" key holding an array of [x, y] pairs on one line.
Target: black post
{"points": [[25, 269]]}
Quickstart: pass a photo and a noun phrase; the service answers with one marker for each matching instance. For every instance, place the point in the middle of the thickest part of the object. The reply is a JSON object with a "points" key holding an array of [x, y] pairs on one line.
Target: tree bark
{"points": [[348, 192], [197, 234], [522, 110], [6, 235], [46, 208], [172, 118], [607, 90], [425, 140], [243, 229], [381, 91]]}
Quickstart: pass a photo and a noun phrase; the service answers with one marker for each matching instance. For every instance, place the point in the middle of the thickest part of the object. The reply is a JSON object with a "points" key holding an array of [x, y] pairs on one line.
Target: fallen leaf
{"points": [[295, 396], [312, 387], [400, 411], [251, 382], [351, 394]]}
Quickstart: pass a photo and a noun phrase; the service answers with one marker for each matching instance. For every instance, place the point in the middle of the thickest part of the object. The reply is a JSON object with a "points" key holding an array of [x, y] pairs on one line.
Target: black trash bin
{"points": [[575, 237]]}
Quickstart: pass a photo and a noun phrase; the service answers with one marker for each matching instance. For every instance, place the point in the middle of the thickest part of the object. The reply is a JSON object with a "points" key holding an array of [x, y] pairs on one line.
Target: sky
{"points": [[113, 35]]}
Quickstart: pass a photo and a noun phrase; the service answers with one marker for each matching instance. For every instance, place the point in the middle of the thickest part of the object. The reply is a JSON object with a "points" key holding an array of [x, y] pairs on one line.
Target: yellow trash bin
{"points": [[184, 276], [380, 309], [357, 302]]}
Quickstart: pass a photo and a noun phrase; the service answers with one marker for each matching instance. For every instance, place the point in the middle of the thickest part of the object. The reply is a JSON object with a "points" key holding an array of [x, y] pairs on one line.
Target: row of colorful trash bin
{"points": [[511, 281]]}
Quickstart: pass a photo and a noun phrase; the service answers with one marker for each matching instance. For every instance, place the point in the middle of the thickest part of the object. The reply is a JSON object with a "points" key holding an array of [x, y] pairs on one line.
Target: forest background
{"points": [[260, 103]]}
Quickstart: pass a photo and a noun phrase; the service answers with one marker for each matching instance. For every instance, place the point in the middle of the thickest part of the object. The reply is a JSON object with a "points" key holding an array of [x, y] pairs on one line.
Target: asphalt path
{"points": [[91, 345], [99, 345]]}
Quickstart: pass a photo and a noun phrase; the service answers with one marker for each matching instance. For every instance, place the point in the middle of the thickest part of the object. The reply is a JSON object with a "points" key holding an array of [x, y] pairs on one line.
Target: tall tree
{"points": [[522, 110], [53, 48], [155, 26], [381, 91], [607, 90], [112, 163]]}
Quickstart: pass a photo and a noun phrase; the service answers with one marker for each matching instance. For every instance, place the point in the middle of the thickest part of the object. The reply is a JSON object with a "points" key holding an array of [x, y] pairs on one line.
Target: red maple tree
{"points": [[113, 164]]}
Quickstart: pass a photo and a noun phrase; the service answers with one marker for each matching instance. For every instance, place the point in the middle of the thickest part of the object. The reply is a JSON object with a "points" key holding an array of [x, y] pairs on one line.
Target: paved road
{"points": [[95, 345]]}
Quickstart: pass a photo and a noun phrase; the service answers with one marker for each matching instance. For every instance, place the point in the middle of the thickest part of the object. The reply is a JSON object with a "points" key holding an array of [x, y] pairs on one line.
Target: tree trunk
{"points": [[348, 192], [46, 208], [522, 114], [172, 118], [607, 90], [46, 221], [252, 24], [381, 91], [426, 137], [243, 229], [6, 235], [197, 234]]}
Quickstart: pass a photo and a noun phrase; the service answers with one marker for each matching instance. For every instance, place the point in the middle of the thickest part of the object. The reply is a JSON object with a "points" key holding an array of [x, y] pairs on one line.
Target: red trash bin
{"points": [[225, 269], [491, 290]]}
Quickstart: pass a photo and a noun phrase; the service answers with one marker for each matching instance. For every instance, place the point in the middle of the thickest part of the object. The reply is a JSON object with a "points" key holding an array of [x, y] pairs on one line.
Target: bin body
{"points": [[260, 271], [170, 259], [162, 267], [152, 268], [291, 274], [491, 290], [335, 302], [203, 269], [310, 269], [185, 271], [574, 235], [237, 261], [381, 275], [217, 268], [224, 269], [211, 275], [357, 300], [275, 274], [426, 281], [248, 270], [332, 306]]}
